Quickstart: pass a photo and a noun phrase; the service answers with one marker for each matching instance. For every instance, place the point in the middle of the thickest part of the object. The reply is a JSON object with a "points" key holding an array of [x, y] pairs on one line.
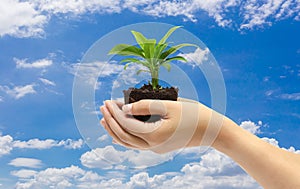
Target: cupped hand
{"points": [[182, 124]]}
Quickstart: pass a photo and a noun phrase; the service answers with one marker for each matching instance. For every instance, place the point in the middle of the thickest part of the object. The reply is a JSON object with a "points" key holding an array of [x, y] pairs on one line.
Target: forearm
{"points": [[268, 165]]}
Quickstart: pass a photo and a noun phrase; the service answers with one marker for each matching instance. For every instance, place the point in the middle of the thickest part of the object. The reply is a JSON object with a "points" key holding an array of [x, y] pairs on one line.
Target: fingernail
{"points": [[102, 120], [127, 108], [114, 142], [107, 101], [103, 109]]}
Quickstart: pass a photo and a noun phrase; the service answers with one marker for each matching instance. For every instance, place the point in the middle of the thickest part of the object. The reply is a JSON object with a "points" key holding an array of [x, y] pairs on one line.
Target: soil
{"points": [[147, 92]]}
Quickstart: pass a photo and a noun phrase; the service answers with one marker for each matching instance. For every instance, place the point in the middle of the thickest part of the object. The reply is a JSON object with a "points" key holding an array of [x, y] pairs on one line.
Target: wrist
{"points": [[225, 138], [210, 125]]}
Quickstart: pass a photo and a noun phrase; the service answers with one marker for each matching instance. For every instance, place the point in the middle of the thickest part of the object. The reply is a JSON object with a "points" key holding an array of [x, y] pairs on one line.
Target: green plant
{"points": [[150, 54]]}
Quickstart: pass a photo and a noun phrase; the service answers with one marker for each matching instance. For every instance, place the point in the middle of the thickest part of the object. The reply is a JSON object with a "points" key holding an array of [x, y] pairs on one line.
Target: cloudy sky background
{"points": [[256, 44]]}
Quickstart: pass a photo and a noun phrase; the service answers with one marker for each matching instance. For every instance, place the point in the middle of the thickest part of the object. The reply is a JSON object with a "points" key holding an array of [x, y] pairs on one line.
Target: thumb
{"points": [[146, 107]]}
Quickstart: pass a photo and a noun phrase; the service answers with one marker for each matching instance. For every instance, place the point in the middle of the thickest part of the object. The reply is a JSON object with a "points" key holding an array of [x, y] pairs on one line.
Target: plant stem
{"points": [[154, 82]]}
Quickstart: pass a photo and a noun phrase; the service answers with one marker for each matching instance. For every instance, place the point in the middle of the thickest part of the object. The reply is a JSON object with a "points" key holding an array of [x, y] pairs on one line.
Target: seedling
{"points": [[150, 54]]}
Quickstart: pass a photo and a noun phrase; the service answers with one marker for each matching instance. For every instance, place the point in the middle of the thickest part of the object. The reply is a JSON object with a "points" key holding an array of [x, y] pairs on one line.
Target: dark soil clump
{"points": [[147, 92]]}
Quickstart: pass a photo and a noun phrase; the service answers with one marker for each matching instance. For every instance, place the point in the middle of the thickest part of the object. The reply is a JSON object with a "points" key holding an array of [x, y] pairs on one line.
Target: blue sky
{"points": [[256, 44]]}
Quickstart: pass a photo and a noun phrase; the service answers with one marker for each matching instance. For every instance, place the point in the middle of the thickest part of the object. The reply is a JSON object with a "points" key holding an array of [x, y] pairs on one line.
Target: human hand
{"points": [[180, 124]]}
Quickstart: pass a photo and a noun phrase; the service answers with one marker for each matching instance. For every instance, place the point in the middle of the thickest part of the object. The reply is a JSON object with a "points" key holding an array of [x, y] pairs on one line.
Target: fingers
{"points": [[115, 138], [130, 124], [186, 100], [120, 104], [175, 130], [146, 107], [119, 133]]}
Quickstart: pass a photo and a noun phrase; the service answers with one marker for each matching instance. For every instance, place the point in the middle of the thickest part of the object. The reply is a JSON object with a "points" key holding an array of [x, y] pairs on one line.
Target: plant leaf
{"points": [[140, 38], [158, 49], [138, 72], [126, 65], [118, 48], [149, 47], [167, 35], [130, 60], [166, 65], [134, 60], [173, 49], [180, 58], [127, 50]]}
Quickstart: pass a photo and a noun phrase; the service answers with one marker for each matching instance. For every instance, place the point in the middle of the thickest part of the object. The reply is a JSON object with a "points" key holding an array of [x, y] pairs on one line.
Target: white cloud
{"points": [[68, 177], [266, 79], [253, 13], [256, 12], [7, 144], [127, 78], [71, 144], [26, 162], [35, 144], [170, 8], [110, 158], [47, 82], [216, 9], [269, 92], [136, 6], [259, 13], [296, 115], [52, 178], [41, 63], [89, 72], [24, 173], [251, 126], [18, 92], [103, 158], [29, 18], [144, 159], [189, 177], [142, 180], [194, 181], [21, 19], [285, 10], [103, 138], [274, 142], [213, 170], [292, 96], [48, 143], [197, 57], [78, 7]]}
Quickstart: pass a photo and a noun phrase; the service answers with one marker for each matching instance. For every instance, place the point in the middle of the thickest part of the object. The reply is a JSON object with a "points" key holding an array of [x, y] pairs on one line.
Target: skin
{"points": [[270, 166]]}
